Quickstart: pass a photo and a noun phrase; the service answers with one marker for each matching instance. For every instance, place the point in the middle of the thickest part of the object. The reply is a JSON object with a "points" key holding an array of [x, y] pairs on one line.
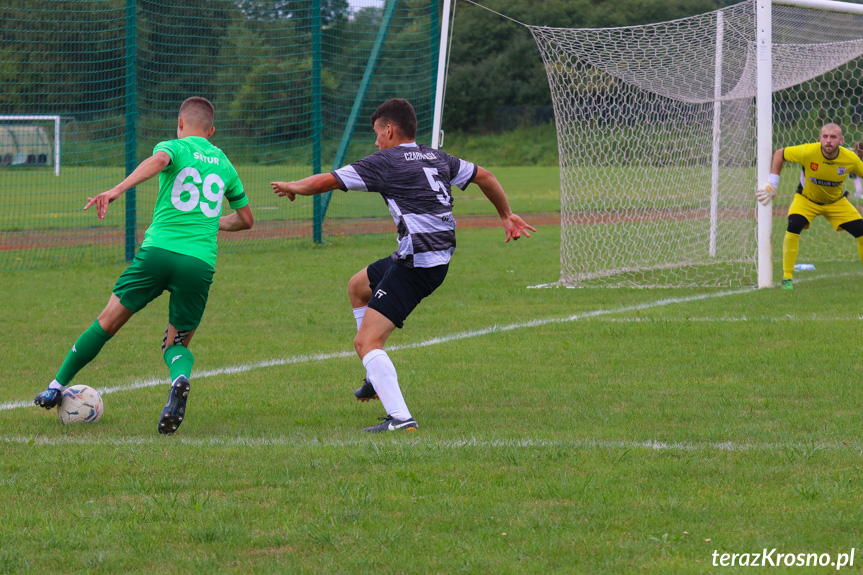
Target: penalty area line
{"points": [[152, 382]]}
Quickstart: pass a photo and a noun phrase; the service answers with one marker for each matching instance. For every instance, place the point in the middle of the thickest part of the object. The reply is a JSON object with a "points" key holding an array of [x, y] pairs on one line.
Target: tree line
{"points": [[254, 57]]}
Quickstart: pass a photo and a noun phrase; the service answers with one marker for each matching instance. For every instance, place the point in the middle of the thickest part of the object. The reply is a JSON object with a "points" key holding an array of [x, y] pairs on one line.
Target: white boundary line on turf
{"points": [[429, 342], [283, 441], [741, 319]]}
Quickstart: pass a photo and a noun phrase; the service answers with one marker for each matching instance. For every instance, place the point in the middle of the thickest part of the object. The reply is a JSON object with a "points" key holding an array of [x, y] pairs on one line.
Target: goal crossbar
{"points": [[823, 5]]}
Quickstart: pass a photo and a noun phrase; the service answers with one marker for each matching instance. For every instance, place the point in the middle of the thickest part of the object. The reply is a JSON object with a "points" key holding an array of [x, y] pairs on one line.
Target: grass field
{"points": [[561, 431]]}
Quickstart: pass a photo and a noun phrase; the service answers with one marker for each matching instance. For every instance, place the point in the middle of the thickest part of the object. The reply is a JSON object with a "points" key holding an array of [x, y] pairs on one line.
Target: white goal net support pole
{"points": [[443, 50], [55, 120], [717, 132], [764, 146], [665, 131]]}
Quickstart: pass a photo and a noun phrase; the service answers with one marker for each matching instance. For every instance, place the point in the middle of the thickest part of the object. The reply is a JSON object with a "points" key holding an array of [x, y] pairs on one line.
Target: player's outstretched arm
{"points": [[317, 184], [145, 170], [241, 219], [514, 226]]}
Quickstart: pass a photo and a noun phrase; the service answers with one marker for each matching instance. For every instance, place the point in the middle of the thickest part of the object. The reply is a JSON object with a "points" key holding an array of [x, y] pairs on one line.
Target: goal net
{"points": [[657, 140]]}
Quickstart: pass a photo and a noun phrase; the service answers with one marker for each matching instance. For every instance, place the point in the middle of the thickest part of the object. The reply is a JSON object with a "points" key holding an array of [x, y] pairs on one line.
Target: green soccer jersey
{"points": [[191, 190]]}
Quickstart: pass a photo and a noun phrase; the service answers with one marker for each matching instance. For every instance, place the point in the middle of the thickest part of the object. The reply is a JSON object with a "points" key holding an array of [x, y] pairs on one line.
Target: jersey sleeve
{"points": [[363, 175], [463, 172], [234, 192], [236, 197], [796, 154], [857, 168], [170, 147]]}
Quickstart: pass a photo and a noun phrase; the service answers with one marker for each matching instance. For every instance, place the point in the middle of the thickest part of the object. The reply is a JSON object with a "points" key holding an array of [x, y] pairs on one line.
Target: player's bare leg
{"points": [[359, 293]]}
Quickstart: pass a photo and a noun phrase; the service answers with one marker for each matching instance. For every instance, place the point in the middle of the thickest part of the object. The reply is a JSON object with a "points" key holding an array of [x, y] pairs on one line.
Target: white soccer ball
{"points": [[80, 404]]}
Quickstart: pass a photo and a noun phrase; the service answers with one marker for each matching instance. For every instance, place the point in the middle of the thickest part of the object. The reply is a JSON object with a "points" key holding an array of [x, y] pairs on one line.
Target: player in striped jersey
{"points": [[826, 165], [415, 181]]}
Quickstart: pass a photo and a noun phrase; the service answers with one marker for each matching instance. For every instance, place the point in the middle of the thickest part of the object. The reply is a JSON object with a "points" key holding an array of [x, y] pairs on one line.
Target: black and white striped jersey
{"points": [[415, 181]]}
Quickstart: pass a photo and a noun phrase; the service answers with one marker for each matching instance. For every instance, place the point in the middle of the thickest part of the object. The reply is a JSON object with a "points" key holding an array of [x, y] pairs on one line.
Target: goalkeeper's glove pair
{"points": [[765, 192]]}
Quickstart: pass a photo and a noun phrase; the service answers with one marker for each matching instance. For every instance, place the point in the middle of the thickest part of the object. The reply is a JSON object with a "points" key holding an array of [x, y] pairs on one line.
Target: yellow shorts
{"points": [[839, 212]]}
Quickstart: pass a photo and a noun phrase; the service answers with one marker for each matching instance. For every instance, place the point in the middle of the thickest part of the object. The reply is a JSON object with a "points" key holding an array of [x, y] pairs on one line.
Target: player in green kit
{"points": [[178, 253]]}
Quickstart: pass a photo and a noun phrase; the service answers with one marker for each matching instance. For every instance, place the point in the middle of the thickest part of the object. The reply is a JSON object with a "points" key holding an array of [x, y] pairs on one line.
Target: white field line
{"points": [[741, 319], [429, 342], [283, 441]]}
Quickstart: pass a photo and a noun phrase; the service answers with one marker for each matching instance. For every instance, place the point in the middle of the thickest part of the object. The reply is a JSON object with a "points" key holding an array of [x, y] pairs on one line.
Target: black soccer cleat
{"points": [[366, 392], [49, 399], [175, 409], [390, 423]]}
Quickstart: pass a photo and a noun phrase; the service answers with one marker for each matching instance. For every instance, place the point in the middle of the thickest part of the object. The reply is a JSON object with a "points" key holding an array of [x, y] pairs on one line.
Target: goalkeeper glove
{"points": [[766, 191]]}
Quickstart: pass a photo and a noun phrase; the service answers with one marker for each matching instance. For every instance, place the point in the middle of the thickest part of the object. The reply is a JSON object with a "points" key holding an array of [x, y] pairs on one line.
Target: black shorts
{"points": [[397, 290]]}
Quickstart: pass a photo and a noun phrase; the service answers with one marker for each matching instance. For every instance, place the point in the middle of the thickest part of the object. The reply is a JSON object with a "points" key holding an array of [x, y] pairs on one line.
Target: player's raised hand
{"points": [[765, 193], [284, 189], [101, 202], [516, 227]]}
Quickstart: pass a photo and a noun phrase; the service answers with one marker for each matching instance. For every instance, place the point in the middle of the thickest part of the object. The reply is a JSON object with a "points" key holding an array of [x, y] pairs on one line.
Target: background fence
{"points": [[293, 82]]}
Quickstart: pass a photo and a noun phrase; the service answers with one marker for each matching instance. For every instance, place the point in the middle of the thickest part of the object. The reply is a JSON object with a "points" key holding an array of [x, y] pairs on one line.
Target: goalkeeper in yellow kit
{"points": [[826, 165]]}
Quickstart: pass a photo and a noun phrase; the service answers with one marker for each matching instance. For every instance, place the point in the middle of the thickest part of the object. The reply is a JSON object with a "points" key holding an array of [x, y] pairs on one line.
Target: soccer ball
{"points": [[80, 404]]}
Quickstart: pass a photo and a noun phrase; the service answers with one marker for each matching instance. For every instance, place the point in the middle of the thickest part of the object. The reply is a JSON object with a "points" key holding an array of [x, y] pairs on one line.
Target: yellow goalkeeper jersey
{"points": [[823, 180]]}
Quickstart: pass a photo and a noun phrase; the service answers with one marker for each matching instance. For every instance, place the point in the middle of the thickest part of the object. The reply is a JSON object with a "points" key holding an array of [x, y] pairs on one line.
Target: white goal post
{"points": [[665, 130], [56, 120]]}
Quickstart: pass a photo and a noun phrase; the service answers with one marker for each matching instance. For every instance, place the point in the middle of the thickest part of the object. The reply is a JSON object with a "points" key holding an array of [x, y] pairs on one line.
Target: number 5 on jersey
{"points": [[181, 185], [444, 196]]}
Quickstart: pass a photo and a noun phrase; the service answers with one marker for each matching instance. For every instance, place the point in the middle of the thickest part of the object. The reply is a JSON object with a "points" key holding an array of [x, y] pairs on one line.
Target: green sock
{"points": [[179, 360], [85, 349]]}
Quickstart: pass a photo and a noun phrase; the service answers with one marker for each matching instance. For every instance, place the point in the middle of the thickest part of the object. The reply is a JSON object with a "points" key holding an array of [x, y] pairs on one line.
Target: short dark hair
{"points": [[398, 111], [198, 112]]}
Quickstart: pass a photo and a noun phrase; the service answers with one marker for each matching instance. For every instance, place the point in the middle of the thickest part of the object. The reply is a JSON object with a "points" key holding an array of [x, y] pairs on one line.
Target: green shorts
{"points": [[155, 270]]}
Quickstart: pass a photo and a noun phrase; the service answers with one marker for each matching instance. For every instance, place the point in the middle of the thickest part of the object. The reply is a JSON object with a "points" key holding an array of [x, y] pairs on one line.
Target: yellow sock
{"points": [[790, 248], [860, 246]]}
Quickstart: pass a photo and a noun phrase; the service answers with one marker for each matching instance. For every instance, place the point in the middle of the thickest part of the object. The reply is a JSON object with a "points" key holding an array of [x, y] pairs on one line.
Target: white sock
{"points": [[359, 314], [56, 385], [382, 373]]}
